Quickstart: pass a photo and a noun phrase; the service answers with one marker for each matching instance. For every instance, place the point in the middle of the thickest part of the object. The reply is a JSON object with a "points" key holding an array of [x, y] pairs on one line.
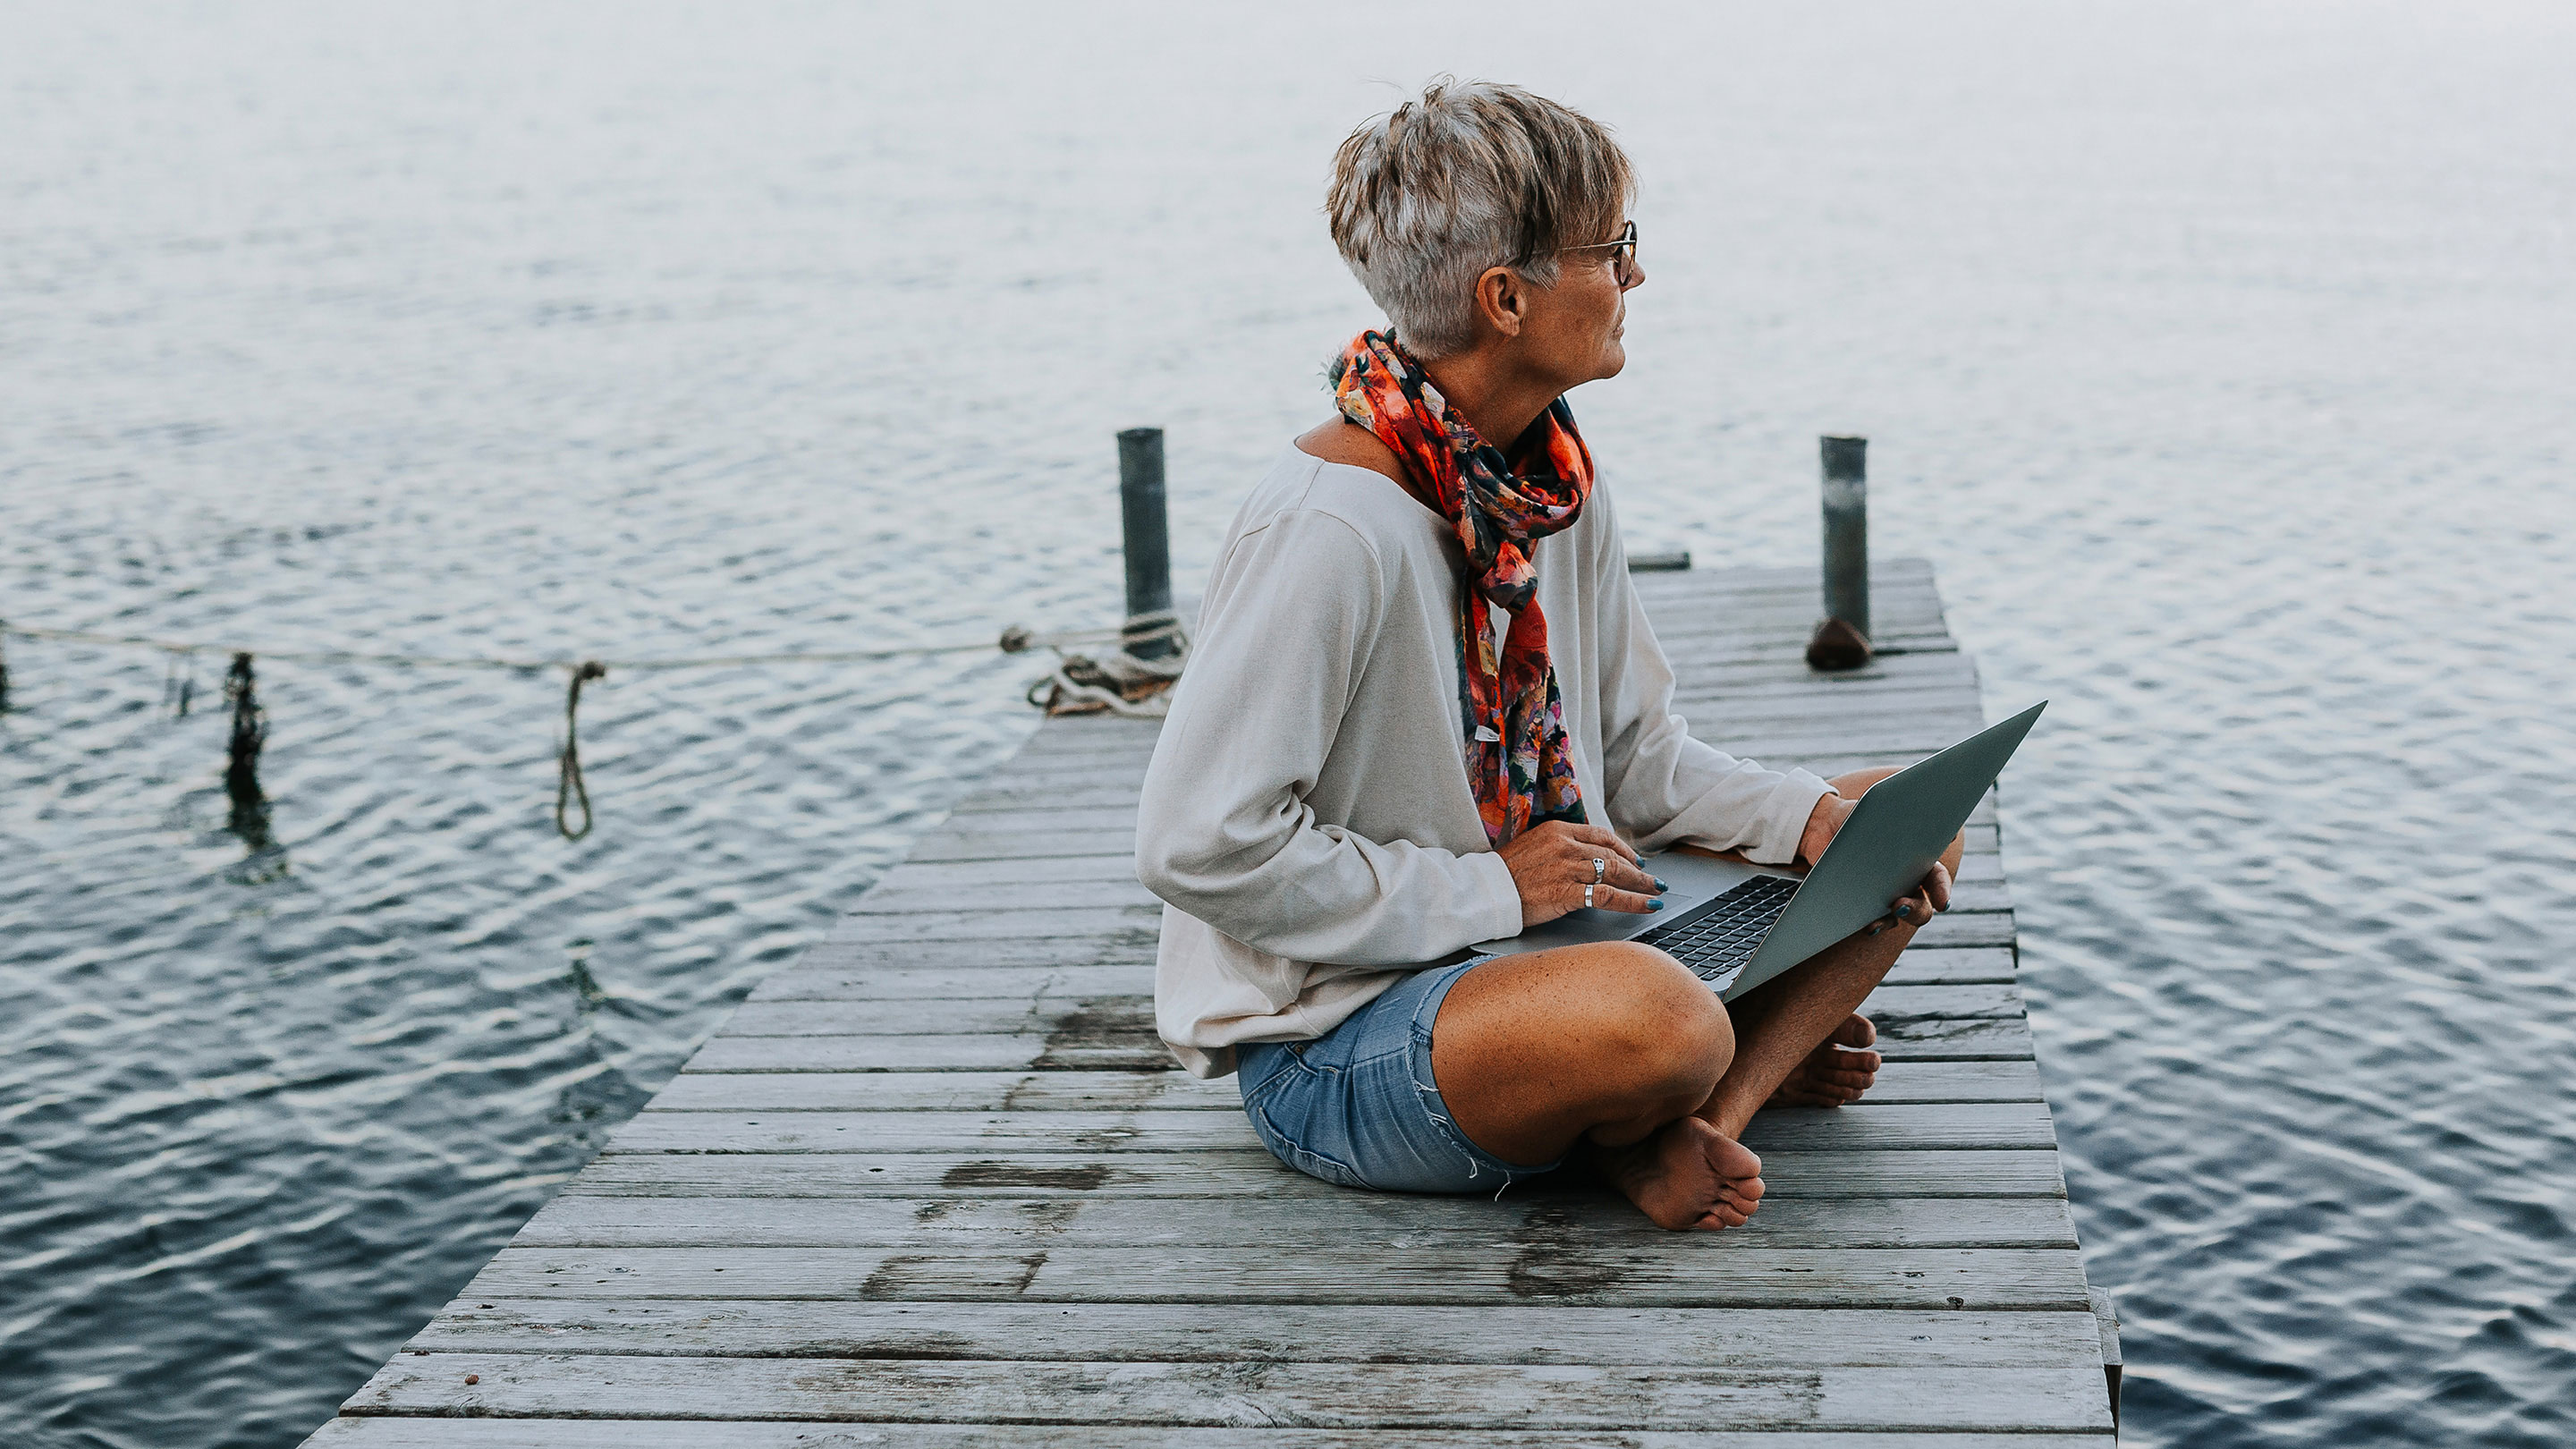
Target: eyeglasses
{"points": [[1623, 254]]}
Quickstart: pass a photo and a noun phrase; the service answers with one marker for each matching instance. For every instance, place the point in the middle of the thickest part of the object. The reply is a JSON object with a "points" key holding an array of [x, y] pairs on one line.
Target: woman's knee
{"points": [[1676, 1038]]}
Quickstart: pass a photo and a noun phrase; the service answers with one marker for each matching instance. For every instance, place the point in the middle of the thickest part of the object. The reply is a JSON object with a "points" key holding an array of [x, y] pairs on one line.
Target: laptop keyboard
{"points": [[1717, 944]]}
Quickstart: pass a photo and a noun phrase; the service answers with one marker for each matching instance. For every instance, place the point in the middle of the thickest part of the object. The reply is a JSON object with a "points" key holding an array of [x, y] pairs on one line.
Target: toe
{"points": [[1856, 1031]]}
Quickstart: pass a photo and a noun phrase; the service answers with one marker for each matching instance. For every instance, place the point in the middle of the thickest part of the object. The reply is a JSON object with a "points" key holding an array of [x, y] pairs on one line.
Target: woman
{"points": [[1425, 709]]}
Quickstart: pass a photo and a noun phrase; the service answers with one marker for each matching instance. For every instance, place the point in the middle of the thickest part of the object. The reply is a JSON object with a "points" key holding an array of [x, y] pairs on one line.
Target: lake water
{"points": [[2220, 355]]}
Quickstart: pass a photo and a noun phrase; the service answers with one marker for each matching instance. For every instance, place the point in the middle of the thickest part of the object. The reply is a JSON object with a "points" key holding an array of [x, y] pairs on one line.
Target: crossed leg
{"points": [[1619, 1049]]}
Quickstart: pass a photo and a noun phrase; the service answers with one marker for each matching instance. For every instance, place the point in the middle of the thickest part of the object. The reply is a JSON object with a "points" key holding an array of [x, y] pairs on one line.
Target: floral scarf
{"points": [[1520, 765]]}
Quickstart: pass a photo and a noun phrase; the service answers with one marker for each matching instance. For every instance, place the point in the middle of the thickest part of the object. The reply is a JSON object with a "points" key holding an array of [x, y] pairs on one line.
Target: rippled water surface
{"points": [[2219, 354]]}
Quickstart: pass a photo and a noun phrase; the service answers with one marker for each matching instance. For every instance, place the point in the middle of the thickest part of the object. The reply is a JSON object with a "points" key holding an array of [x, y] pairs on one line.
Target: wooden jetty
{"points": [[938, 1184]]}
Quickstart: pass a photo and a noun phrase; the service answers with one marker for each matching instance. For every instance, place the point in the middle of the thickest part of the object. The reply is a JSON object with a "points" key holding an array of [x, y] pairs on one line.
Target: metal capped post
{"points": [[1842, 640], [1148, 633]]}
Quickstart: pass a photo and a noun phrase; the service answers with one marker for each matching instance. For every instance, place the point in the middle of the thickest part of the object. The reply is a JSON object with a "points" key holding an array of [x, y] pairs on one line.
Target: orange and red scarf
{"points": [[1520, 764]]}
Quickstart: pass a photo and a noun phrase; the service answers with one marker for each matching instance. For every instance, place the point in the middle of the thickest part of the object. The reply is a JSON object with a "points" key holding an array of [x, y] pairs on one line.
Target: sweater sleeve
{"points": [[1665, 787], [1224, 832]]}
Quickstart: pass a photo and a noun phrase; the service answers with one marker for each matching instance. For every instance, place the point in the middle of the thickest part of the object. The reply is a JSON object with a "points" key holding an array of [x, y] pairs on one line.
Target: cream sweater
{"points": [[1306, 817]]}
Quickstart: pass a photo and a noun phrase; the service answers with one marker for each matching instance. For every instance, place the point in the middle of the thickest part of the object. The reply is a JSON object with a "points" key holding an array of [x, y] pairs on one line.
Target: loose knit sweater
{"points": [[1307, 819]]}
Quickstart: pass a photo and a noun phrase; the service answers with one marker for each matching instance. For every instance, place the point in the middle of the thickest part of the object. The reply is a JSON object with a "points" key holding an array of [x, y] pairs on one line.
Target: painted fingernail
{"points": [[1654, 905], [1660, 887]]}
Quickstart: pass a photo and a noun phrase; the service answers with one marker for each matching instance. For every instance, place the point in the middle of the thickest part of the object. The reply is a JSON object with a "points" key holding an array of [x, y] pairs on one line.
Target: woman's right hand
{"points": [[1551, 863]]}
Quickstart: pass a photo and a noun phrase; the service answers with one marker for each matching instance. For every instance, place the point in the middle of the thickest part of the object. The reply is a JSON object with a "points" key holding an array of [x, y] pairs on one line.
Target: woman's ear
{"points": [[1502, 299]]}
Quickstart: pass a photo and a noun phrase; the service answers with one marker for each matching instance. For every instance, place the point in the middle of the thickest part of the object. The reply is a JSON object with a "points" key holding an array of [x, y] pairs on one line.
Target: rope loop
{"points": [[569, 785], [1121, 683]]}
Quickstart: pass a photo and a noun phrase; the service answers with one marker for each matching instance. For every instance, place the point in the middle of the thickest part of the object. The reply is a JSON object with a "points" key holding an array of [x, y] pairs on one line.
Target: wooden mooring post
{"points": [[1145, 532], [939, 1183], [1842, 639]]}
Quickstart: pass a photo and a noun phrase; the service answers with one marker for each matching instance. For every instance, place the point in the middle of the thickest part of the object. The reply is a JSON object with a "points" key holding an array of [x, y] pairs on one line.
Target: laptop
{"points": [[1738, 925]]}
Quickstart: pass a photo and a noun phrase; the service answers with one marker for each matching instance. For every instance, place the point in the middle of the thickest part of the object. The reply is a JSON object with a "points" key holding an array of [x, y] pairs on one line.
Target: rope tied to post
{"points": [[569, 786], [1127, 684]]}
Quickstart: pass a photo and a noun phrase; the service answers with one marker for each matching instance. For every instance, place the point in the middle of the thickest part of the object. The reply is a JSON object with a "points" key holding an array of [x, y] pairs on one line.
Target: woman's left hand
{"points": [[1930, 899], [1552, 865]]}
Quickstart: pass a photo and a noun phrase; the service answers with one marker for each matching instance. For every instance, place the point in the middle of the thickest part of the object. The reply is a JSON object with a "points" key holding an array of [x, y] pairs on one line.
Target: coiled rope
{"points": [[1122, 684]]}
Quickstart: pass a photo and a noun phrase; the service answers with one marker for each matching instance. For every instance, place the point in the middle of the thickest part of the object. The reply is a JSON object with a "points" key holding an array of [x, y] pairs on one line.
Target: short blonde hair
{"points": [[1429, 196]]}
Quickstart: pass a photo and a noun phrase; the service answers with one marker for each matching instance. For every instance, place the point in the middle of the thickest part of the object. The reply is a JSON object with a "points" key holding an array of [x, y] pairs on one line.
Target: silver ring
{"points": [[1600, 867], [1587, 897]]}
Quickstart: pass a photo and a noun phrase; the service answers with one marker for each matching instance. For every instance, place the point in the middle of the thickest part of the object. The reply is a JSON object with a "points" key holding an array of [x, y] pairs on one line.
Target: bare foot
{"points": [[1834, 1073], [1688, 1175]]}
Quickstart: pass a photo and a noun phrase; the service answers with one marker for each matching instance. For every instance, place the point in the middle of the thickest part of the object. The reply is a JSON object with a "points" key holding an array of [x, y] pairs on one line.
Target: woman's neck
{"points": [[1498, 400]]}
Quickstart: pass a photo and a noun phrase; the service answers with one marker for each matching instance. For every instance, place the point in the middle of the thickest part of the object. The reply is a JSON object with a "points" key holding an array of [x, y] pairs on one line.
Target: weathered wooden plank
{"points": [[1463, 1396], [1785, 727], [1020, 1091], [1216, 1173], [1134, 1014], [1681, 589], [1047, 821], [1556, 1267], [1050, 1091], [825, 974], [1113, 1041], [1845, 704], [1728, 599], [1128, 926], [1690, 652], [1003, 923], [1062, 897], [896, 983], [1017, 841], [977, 1052], [1782, 729], [973, 877], [853, 948], [1886, 572], [1913, 608], [1788, 714], [1960, 966], [1221, 1333], [1912, 1127], [455, 1433], [1012, 842], [926, 1222], [970, 878]]}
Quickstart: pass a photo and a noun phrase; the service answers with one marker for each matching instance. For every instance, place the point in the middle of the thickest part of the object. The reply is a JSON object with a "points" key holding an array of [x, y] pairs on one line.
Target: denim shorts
{"points": [[1357, 1106]]}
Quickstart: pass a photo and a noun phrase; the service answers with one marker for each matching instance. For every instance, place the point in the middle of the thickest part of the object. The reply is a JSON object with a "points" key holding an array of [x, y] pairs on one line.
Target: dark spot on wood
{"points": [[1018, 1174], [1135, 1087], [1135, 946], [1112, 1032], [927, 1277], [1552, 1261], [936, 1346]]}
